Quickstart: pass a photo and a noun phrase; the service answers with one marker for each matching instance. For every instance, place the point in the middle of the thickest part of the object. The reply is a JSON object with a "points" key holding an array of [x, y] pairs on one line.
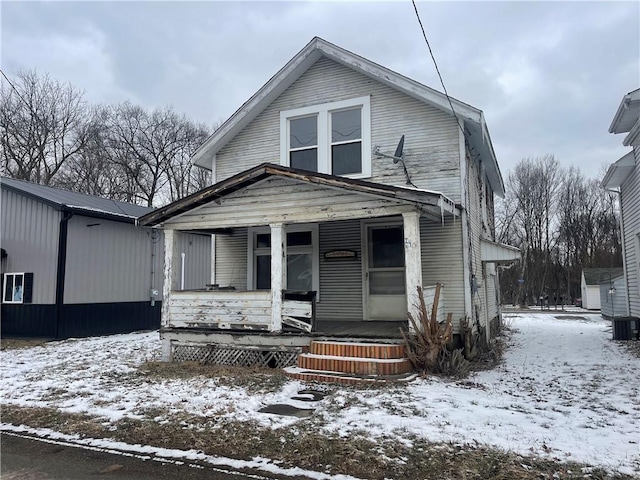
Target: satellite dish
{"points": [[397, 156]]}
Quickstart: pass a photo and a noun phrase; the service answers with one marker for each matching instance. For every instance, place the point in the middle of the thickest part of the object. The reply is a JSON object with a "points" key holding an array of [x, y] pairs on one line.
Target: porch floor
{"points": [[364, 329]]}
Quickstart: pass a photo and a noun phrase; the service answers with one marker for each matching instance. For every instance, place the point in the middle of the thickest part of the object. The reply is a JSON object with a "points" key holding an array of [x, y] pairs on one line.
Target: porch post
{"points": [[166, 290], [412, 260], [277, 261]]}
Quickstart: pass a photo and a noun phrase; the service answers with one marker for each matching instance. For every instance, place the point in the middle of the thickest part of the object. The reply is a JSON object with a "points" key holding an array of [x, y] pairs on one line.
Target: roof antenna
{"points": [[398, 156]]}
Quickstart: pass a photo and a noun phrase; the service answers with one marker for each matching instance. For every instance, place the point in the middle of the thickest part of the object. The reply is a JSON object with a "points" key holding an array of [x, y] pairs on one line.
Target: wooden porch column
{"points": [[277, 275], [166, 290], [412, 260]]}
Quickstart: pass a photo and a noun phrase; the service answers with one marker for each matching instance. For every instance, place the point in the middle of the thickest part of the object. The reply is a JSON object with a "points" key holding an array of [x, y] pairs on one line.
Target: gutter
{"points": [[61, 265]]}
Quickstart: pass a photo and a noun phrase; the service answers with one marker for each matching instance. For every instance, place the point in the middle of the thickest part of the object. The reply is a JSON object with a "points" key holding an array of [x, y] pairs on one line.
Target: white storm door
{"points": [[385, 294]]}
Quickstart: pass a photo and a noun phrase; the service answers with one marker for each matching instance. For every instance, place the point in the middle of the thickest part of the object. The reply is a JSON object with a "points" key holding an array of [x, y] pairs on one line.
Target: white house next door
{"points": [[384, 272]]}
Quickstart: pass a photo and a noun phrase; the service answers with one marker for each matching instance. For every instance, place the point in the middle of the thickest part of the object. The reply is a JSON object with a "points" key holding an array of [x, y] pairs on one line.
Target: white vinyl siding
{"points": [[630, 207], [442, 263], [431, 147], [231, 259]]}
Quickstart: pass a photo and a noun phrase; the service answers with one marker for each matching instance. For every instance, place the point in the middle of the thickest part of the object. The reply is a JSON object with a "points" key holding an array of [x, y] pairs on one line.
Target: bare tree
{"points": [[562, 223], [43, 124]]}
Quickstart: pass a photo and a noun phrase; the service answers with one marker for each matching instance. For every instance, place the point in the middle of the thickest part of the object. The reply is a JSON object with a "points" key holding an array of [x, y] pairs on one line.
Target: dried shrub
{"points": [[430, 338], [453, 364]]}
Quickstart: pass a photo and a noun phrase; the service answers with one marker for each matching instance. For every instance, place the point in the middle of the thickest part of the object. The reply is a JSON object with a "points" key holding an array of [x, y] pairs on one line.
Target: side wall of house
{"points": [[480, 218], [442, 263], [630, 205], [431, 136]]}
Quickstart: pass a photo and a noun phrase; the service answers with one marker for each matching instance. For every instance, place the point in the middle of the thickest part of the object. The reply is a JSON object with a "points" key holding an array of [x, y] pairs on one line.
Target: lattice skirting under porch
{"points": [[241, 356]]}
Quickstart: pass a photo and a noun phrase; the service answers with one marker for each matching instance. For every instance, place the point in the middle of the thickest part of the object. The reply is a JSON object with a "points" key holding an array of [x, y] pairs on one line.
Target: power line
{"points": [[424, 34], [472, 259], [27, 104]]}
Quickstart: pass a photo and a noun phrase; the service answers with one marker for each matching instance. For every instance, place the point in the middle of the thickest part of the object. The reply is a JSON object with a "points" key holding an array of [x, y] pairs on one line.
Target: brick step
{"points": [[354, 365], [344, 378], [359, 350]]}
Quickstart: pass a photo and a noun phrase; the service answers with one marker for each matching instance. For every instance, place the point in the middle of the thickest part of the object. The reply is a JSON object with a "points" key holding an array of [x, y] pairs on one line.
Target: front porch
{"points": [[300, 256]]}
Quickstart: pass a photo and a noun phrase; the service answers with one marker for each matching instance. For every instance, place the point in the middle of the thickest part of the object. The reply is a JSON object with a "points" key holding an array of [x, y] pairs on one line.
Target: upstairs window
{"points": [[333, 138]]}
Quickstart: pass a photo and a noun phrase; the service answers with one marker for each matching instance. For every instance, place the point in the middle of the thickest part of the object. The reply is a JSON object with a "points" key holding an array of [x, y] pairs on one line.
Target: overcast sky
{"points": [[549, 76]]}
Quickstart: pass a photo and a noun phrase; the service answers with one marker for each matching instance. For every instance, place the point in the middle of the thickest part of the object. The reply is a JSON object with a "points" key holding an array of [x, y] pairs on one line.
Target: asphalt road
{"points": [[39, 459]]}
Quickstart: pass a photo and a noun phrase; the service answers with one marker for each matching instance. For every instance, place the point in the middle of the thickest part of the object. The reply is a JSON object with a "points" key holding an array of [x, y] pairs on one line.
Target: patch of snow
{"points": [[564, 391]]}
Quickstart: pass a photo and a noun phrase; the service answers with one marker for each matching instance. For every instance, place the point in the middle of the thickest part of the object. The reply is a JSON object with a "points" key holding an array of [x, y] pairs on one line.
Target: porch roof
{"points": [[421, 197]]}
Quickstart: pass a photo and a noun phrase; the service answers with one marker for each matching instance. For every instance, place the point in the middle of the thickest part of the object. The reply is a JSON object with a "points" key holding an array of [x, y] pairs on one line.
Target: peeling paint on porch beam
{"points": [[412, 261], [277, 260], [166, 290]]}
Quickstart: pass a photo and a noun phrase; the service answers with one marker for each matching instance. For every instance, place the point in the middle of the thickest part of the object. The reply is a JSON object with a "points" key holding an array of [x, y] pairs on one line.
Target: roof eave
{"points": [[624, 111], [209, 194], [618, 172]]}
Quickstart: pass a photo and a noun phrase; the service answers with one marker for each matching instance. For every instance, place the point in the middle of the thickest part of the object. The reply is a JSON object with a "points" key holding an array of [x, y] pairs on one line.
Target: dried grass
{"points": [[303, 446]]}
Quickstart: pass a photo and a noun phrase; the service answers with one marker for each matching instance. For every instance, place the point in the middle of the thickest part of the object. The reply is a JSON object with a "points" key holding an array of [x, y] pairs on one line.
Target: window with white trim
{"points": [[333, 138], [17, 288], [302, 258]]}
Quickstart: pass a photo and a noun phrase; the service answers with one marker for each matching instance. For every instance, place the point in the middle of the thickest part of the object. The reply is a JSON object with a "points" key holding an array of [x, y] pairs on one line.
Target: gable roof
{"points": [[80, 203], [436, 200], [596, 276], [472, 118]]}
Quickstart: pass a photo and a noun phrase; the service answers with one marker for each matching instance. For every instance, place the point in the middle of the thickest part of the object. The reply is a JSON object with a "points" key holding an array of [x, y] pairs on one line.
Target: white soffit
{"points": [[627, 114], [493, 252], [619, 172]]}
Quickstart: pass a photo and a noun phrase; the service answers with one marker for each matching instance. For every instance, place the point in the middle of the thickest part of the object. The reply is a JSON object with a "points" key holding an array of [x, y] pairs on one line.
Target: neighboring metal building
{"points": [[77, 265]]}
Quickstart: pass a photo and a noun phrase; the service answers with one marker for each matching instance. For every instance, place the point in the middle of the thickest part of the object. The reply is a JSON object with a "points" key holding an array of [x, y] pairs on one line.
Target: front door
{"points": [[384, 276]]}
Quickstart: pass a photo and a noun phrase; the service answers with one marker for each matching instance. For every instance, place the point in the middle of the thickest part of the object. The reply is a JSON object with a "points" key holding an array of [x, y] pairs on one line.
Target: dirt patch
{"points": [[18, 343], [303, 446], [254, 379]]}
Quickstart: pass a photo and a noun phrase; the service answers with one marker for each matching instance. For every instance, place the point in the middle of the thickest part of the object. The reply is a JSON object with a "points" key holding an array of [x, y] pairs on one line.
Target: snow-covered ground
{"points": [[565, 391]]}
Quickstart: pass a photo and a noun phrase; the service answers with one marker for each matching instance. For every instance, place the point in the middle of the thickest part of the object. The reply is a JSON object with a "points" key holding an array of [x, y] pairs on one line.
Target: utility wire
{"points": [[424, 35], [27, 104]]}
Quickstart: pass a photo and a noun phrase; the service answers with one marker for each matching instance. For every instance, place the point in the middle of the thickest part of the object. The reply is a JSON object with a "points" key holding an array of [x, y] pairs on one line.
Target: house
{"points": [[613, 296], [338, 189], [623, 177], [590, 283], [76, 265]]}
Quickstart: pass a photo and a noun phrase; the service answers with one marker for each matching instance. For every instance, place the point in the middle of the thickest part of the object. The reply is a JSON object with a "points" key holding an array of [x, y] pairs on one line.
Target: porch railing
{"points": [[233, 310]]}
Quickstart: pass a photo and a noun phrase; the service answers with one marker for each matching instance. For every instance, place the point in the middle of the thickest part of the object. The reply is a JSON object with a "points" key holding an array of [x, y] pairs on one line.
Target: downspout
{"points": [[624, 253], [62, 265]]}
